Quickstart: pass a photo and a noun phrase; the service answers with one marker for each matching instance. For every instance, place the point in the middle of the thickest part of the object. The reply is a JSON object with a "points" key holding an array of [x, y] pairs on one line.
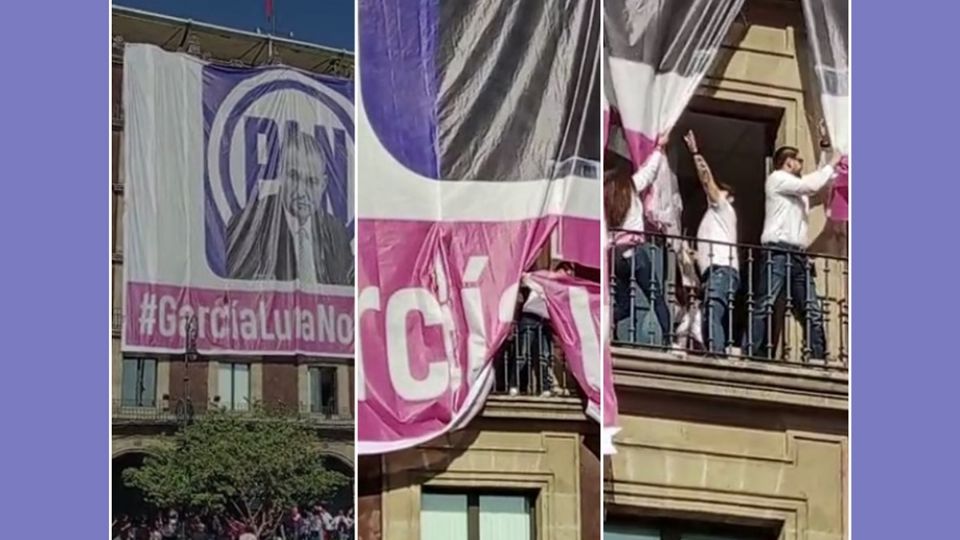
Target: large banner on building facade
{"points": [[239, 198], [478, 123]]}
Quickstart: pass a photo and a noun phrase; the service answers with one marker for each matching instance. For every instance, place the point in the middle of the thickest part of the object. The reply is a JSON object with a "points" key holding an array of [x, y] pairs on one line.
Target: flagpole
{"points": [[272, 16]]}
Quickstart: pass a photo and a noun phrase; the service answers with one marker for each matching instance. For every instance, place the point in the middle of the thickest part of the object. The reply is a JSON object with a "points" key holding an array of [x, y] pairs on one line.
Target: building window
{"points": [[139, 382], [234, 386], [323, 389], [681, 530], [476, 516]]}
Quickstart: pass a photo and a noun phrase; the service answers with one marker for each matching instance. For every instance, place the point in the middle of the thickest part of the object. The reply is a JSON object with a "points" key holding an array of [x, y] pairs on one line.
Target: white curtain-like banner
{"points": [[657, 54], [827, 22]]}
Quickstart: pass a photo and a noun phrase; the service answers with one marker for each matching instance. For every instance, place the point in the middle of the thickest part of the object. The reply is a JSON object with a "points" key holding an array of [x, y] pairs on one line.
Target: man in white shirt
{"points": [[327, 522], [716, 252], [784, 259]]}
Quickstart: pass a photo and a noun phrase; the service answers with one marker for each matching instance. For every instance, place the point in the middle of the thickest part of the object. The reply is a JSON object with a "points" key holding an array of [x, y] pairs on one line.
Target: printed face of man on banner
{"points": [[284, 232], [303, 176]]}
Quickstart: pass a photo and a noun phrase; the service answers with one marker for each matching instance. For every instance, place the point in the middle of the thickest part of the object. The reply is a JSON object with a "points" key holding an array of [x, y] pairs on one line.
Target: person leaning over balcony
{"points": [[536, 340], [785, 262], [716, 251], [623, 208]]}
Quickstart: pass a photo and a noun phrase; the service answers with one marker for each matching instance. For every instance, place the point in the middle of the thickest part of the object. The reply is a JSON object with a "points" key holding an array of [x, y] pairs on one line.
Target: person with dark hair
{"points": [[636, 258], [716, 251], [784, 260]]}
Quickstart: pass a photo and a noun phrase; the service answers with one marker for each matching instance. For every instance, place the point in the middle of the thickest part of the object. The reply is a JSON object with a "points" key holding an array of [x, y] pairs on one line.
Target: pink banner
{"points": [[579, 241], [429, 333], [253, 322], [838, 208], [574, 307]]}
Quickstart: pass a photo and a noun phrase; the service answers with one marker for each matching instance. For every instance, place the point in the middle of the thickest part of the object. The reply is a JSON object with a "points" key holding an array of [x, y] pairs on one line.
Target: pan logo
{"points": [[251, 118]]}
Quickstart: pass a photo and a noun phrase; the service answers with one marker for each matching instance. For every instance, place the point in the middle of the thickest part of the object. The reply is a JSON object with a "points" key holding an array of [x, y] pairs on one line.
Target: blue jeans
{"points": [[778, 267], [646, 270], [721, 284], [535, 347]]}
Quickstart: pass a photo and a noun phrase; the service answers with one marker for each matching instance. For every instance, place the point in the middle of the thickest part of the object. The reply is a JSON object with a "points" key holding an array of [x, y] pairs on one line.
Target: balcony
{"points": [[172, 411], [531, 380], [529, 365], [661, 300]]}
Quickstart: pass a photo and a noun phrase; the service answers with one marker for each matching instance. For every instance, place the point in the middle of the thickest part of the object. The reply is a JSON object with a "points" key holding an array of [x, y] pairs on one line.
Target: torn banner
{"points": [[657, 54], [478, 124], [827, 23], [575, 311]]}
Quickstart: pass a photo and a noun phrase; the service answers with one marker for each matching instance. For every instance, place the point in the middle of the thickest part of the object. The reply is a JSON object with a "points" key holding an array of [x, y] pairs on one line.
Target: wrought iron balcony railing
{"points": [[165, 411], [770, 303], [528, 363]]}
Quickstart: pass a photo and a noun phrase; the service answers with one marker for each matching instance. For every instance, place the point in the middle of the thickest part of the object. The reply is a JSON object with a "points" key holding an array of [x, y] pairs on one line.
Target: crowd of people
{"points": [[710, 273], [314, 523]]}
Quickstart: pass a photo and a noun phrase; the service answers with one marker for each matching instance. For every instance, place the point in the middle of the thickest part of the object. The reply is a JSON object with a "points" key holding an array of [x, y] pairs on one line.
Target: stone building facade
{"points": [[542, 448]]}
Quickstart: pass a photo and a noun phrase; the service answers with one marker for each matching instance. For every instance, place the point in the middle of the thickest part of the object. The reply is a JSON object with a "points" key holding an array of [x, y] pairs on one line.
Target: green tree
{"points": [[251, 467]]}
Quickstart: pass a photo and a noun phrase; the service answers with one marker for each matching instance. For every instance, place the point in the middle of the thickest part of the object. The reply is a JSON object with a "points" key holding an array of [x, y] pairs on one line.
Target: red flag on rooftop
{"points": [[268, 7]]}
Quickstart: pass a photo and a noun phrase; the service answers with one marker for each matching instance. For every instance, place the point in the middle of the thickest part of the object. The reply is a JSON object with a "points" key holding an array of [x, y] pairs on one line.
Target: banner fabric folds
{"points": [[827, 22], [478, 123]]}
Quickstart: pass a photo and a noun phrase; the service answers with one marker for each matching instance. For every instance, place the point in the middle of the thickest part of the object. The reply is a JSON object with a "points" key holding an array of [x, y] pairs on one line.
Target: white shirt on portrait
{"points": [[303, 247]]}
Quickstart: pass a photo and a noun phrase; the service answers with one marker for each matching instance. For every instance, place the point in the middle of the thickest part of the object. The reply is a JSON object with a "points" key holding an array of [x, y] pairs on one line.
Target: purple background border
{"points": [[54, 399], [906, 368], [54, 387]]}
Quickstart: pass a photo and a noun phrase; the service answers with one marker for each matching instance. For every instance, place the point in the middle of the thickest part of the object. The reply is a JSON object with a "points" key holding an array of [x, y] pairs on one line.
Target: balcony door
{"points": [[737, 140]]}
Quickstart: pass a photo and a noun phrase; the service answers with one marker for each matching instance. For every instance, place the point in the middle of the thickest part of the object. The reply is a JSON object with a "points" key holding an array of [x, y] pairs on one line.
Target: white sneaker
{"points": [[546, 393], [514, 391]]}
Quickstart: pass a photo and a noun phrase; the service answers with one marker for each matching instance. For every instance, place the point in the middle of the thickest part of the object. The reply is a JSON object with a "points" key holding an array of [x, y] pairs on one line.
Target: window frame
{"points": [[473, 504], [233, 385], [675, 529], [140, 363], [318, 369]]}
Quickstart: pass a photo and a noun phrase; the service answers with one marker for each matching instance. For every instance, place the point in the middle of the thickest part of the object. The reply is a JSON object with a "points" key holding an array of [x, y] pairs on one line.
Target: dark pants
{"points": [[778, 269], [720, 287], [534, 351], [646, 270]]}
